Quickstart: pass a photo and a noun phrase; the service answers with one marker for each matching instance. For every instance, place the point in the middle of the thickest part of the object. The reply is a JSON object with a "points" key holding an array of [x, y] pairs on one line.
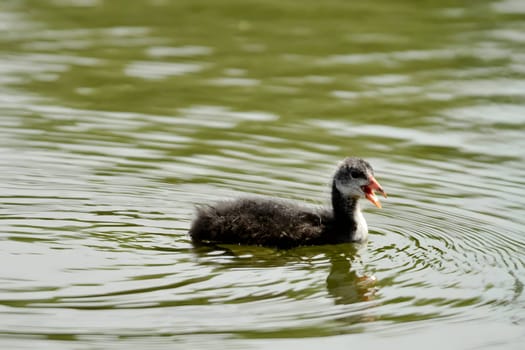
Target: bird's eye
{"points": [[356, 174]]}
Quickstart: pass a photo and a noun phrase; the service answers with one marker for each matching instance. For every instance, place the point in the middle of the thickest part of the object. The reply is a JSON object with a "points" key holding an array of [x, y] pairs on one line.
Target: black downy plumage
{"points": [[282, 224]]}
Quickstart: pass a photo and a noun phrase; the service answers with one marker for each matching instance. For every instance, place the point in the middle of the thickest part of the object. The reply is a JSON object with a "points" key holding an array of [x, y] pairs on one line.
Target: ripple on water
{"points": [[161, 70], [446, 256], [430, 255], [181, 51]]}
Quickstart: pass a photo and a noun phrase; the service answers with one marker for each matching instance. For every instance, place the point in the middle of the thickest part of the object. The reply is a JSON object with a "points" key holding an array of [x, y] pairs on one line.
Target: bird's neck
{"points": [[348, 216]]}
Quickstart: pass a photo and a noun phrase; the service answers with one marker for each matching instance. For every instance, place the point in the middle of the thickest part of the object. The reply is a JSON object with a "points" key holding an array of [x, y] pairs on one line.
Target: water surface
{"points": [[118, 117]]}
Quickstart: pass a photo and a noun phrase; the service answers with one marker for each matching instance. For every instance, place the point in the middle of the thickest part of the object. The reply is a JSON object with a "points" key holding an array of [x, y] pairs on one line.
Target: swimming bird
{"points": [[283, 224]]}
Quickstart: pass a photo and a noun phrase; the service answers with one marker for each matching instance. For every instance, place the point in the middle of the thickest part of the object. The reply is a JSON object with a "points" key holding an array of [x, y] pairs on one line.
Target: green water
{"points": [[118, 117]]}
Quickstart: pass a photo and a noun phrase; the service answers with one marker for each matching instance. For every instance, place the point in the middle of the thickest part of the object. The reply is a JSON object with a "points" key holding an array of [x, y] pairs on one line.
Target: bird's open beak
{"points": [[369, 191]]}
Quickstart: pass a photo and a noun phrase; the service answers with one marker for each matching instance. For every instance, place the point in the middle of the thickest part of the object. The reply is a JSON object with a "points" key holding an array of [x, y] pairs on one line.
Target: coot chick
{"points": [[281, 224]]}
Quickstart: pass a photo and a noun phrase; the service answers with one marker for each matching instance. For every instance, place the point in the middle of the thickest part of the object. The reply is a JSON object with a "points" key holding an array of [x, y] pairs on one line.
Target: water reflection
{"points": [[344, 284]]}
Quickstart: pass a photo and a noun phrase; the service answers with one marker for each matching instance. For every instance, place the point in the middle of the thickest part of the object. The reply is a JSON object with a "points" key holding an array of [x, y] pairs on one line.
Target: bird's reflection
{"points": [[344, 283]]}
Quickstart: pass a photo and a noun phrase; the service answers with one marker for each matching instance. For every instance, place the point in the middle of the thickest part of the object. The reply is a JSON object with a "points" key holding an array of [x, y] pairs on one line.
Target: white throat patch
{"points": [[361, 229]]}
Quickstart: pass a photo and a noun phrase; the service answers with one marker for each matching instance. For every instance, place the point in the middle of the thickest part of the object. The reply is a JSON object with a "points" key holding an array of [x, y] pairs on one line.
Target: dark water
{"points": [[117, 117]]}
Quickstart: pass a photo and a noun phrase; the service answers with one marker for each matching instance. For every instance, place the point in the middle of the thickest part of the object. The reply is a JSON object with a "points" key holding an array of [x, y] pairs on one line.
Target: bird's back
{"points": [[261, 222]]}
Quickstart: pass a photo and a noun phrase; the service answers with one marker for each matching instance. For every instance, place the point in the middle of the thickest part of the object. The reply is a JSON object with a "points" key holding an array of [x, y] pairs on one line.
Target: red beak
{"points": [[372, 186]]}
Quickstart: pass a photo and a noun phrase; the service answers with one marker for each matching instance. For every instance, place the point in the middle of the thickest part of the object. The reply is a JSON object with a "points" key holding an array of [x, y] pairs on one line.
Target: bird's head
{"points": [[355, 178]]}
